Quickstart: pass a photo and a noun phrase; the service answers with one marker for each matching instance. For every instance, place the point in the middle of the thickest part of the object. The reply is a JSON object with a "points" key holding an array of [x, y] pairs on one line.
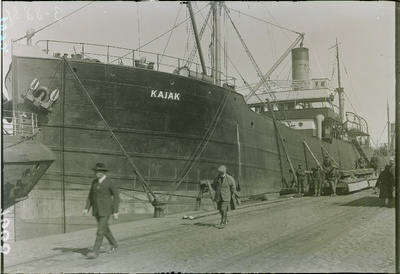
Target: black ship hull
{"points": [[174, 128], [160, 119]]}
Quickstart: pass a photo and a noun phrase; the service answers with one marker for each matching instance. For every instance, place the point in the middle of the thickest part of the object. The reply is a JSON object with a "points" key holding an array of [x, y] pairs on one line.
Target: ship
{"points": [[163, 126], [25, 160]]}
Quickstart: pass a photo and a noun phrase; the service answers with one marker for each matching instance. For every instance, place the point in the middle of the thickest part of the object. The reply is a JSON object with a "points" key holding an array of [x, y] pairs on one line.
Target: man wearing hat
{"points": [[392, 166], [318, 178], [332, 177], [301, 175], [224, 187], [104, 200], [374, 162]]}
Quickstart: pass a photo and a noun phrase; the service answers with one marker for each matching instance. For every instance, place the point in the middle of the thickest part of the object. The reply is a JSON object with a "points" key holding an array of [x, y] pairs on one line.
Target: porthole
{"points": [[300, 124], [252, 124], [171, 82], [112, 73], [75, 69]]}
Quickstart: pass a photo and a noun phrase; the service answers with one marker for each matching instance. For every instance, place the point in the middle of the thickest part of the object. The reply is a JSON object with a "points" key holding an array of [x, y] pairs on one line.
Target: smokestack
{"points": [[300, 67]]}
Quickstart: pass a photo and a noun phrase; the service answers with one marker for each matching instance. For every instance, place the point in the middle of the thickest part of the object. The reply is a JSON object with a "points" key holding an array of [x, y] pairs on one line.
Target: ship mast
{"points": [[216, 8], [388, 126], [196, 35], [339, 89]]}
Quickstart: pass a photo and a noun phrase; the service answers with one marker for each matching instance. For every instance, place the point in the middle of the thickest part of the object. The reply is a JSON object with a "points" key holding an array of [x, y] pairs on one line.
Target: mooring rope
{"points": [[145, 185], [206, 138], [23, 140]]}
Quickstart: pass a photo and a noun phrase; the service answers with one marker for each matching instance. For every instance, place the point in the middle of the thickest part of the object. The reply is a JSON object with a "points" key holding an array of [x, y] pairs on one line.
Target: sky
{"points": [[365, 31]]}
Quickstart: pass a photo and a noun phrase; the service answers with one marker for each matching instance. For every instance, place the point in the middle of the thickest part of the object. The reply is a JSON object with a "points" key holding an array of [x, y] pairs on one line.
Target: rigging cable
{"points": [[352, 88], [193, 52], [188, 31], [382, 132], [145, 185], [315, 55], [271, 36], [276, 22], [138, 25], [206, 138], [266, 22], [258, 70], [151, 41], [54, 22], [23, 140]]}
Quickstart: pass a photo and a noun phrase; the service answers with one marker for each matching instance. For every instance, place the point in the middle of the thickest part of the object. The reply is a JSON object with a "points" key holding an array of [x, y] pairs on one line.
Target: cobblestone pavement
{"points": [[349, 233]]}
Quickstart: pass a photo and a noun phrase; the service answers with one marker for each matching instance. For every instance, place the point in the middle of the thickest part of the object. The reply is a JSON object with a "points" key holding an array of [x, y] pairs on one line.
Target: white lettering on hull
{"points": [[165, 95]]}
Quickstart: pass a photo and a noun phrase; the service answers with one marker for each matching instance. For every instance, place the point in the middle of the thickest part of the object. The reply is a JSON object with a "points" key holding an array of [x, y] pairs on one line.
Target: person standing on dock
{"points": [[332, 176], [386, 183], [300, 174], [318, 179], [374, 163], [104, 200], [225, 188]]}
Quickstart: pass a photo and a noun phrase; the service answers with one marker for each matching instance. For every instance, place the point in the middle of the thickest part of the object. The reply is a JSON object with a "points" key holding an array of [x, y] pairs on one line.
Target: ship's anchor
{"points": [[38, 96]]}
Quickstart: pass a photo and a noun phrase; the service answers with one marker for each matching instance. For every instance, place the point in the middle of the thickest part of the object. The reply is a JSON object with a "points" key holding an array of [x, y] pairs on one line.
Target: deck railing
{"points": [[19, 123], [124, 56], [356, 123]]}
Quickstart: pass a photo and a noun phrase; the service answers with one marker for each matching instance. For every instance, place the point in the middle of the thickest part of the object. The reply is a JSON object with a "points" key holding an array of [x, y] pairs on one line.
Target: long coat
{"points": [[226, 189], [103, 197], [385, 182]]}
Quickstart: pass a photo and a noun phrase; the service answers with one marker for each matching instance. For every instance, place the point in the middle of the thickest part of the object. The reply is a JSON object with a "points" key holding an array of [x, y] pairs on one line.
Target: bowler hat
{"points": [[100, 167], [222, 169]]}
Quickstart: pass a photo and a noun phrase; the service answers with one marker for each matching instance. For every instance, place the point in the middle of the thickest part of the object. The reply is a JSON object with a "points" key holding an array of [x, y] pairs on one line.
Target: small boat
{"points": [[25, 160]]}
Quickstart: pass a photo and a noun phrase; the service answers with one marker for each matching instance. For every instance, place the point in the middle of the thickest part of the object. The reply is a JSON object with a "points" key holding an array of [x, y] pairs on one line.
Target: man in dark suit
{"points": [[224, 187], [104, 200]]}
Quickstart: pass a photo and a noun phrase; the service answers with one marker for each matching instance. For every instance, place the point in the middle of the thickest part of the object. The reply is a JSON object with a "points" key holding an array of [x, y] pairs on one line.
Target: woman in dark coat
{"points": [[386, 183]]}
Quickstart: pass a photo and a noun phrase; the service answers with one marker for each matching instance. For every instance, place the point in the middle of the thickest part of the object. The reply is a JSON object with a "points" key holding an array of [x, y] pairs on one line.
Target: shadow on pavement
{"points": [[204, 224], [83, 251], [366, 202]]}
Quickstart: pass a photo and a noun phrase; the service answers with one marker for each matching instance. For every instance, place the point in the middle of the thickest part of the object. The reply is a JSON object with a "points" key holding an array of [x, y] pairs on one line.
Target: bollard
{"points": [[159, 207]]}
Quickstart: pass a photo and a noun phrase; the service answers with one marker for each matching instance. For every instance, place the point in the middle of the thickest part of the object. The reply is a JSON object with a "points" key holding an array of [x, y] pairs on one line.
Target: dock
{"points": [[346, 233]]}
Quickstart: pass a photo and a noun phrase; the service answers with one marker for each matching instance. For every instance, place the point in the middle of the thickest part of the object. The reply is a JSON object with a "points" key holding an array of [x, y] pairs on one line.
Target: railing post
{"points": [[133, 58], [14, 122], [158, 61], [179, 62], [108, 54], [21, 124], [33, 125], [83, 50], [47, 46]]}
